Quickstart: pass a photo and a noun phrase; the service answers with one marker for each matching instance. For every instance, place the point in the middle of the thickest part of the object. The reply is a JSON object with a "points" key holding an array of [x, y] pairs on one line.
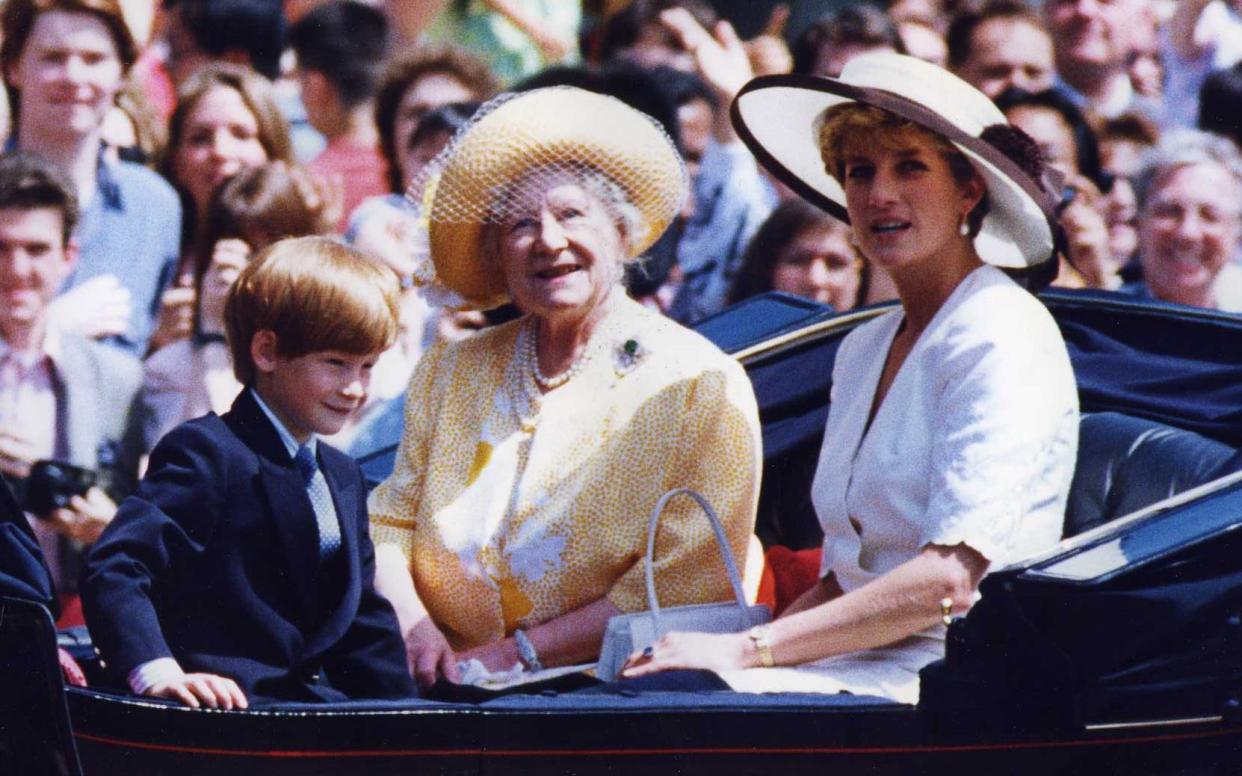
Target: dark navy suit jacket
{"points": [[23, 574], [215, 561]]}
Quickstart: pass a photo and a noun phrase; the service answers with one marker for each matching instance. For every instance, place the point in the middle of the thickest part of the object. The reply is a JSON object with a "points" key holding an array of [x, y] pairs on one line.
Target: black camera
{"points": [[52, 484]]}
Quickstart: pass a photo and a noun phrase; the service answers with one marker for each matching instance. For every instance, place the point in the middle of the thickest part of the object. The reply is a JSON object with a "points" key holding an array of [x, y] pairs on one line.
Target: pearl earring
{"points": [[964, 229]]}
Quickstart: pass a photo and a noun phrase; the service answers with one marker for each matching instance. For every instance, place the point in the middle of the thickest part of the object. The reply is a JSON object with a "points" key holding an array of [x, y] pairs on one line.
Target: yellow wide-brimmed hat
{"points": [[554, 129]]}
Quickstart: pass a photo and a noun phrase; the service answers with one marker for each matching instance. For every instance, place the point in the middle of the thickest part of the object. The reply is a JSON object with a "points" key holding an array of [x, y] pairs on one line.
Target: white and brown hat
{"points": [[778, 117]]}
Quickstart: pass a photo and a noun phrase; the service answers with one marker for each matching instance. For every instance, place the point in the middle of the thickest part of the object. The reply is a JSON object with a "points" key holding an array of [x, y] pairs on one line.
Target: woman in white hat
{"points": [[513, 524], [953, 427]]}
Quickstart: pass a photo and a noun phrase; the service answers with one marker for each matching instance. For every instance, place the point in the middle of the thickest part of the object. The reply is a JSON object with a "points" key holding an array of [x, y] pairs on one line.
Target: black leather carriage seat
{"points": [[1127, 463]]}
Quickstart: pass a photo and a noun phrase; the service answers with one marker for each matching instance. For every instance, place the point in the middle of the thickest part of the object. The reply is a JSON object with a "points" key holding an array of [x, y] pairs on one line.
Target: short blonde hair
{"points": [[840, 123], [316, 294], [852, 119]]}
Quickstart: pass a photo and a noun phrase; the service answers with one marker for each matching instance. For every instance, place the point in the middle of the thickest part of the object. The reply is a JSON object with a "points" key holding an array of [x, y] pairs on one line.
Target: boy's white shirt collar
{"points": [[291, 444]]}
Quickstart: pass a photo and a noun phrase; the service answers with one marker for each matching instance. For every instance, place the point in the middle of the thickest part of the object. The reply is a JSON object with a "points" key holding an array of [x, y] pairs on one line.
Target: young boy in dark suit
{"points": [[242, 569]]}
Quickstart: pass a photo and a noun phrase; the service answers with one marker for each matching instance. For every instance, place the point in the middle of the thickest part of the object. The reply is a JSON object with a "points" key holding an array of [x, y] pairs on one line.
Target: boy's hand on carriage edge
{"points": [[429, 655], [199, 690]]}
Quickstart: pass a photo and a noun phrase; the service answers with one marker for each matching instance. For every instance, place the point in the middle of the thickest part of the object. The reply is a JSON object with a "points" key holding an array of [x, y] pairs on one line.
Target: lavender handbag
{"points": [[627, 633]]}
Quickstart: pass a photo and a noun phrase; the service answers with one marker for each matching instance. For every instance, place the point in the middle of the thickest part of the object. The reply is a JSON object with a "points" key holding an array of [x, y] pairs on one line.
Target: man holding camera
{"points": [[65, 401]]}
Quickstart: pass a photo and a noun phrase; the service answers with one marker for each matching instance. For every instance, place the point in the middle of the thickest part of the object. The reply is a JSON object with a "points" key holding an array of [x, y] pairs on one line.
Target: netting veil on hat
{"points": [[544, 133]]}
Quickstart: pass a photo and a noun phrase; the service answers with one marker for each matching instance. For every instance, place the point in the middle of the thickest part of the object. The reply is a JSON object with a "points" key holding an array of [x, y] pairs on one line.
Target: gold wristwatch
{"points": [[760, 636]]}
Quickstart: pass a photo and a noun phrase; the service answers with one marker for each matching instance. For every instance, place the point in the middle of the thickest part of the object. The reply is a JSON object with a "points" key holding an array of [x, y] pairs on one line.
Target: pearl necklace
{"points": [[524, 380], [532, 358]]}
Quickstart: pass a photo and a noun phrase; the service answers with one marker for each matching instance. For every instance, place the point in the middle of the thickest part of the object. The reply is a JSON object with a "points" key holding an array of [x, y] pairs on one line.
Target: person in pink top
{"points": [[341, 47]]}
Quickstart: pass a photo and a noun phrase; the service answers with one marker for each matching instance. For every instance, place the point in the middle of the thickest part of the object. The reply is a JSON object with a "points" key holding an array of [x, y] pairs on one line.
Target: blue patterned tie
{"points": [[321, 501]]}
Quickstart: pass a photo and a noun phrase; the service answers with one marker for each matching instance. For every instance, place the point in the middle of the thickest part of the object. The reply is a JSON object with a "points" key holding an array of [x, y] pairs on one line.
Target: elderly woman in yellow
{"points": [[513, 524]]}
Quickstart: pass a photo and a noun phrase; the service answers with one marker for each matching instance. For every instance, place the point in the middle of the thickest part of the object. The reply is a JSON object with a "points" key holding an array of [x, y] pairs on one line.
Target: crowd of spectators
{"points": [[197, 132]]}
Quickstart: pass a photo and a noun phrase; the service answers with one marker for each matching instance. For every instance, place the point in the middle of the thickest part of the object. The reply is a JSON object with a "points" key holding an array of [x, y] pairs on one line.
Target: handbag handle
{"points": [[722, 542]]}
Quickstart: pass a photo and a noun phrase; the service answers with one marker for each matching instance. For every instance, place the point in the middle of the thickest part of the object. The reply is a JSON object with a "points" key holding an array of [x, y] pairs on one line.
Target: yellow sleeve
{"points": [[394, 503], [720, 456]]}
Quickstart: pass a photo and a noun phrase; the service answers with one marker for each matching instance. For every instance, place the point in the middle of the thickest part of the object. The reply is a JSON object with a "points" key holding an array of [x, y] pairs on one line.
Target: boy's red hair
{"points": [[316, 294]]}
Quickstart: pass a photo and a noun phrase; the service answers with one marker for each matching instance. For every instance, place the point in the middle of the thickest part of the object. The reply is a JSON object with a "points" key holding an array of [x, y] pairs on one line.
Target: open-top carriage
{"points": [[1120, 651]]}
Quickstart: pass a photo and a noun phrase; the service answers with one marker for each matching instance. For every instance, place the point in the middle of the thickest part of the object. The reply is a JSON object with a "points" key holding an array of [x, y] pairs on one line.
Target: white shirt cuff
{"points": [[152, 672]]}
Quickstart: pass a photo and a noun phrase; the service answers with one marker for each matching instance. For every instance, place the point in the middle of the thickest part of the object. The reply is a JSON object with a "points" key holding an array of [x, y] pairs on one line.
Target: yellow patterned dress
{"points": [[515, 507]]}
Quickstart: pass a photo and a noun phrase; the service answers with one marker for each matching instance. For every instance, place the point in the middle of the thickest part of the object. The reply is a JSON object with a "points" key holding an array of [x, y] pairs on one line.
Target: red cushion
{"points": [[793, 572], [70, 611]]}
